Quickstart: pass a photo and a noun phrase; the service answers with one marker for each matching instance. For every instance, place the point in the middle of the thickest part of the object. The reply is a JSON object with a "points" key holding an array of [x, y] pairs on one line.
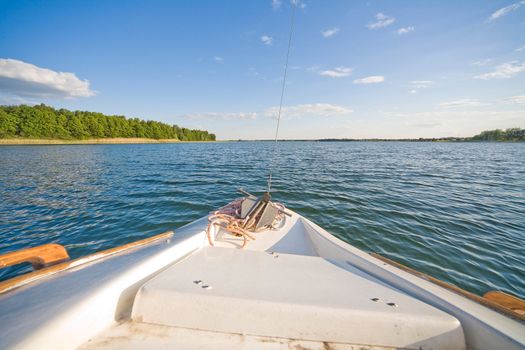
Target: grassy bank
{"points": [[117, 140]]}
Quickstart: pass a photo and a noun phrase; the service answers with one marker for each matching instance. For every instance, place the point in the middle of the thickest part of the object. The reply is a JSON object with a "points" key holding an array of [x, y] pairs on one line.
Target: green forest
{"points": [[513, 134], [44, 122]]}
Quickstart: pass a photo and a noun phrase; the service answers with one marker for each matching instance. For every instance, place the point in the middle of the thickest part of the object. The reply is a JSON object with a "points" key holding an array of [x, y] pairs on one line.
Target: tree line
{"points": [[45, 122], [498, 135], [512, 134]]}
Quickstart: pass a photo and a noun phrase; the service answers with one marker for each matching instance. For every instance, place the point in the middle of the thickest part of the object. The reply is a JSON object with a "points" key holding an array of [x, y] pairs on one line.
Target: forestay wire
{"points": [[292, 24]]}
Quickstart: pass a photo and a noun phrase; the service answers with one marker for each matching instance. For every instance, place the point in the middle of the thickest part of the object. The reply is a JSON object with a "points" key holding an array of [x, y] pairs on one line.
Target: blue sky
{"points": [[357, 69]]}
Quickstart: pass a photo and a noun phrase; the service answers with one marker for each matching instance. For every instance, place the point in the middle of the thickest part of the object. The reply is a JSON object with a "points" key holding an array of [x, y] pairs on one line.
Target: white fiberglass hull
{"points": [[297, 286]]}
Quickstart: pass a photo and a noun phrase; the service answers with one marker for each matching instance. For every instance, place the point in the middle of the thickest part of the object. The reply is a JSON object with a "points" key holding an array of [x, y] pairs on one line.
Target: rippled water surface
{"points": [[453, 210]]}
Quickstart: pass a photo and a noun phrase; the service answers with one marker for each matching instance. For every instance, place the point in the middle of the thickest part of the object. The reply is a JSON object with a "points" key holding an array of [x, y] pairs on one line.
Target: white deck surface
{"points": [[139, 336], [289, 296]]}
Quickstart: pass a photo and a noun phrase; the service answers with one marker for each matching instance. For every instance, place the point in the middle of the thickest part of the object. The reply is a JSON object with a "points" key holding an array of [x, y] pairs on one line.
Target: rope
{"points": [[228, 218], [292, 25]]}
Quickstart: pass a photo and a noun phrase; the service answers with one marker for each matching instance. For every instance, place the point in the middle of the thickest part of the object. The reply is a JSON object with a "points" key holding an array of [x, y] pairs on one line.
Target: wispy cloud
{"points": [[295, 111], [276, 4], [415, 85], [503, 71], [267, 40], [254, 73], [466, 102], [514, 100], [338, 72], [382, 21], [312, 109], [23, 79], [405, 30], [519, 49], [506, 10], [221, 116], [218, 59], [300, 4], [421, 84], [370, 80], [329, 32], [482, 62]]}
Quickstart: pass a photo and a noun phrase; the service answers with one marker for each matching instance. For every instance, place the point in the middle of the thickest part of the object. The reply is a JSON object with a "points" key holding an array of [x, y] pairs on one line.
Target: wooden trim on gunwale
{"points": [[41, 256], [483, 301], [18, 281], [506, 300]]}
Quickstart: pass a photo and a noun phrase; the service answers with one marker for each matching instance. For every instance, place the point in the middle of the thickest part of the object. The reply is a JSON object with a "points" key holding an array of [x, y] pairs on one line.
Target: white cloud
{"points": [[506, 10], [218, 59], [296, 111], [519, 49], [298, 3], [415, 85], [514, 100], [19, 78], [267, 40], [482, 62], [276, 4], [405, 30], [221, 116], [329, 32], [338, 72], [504, 71], [382, 21], [421, 84], [467, 102], [370, 80], [312, 109]]}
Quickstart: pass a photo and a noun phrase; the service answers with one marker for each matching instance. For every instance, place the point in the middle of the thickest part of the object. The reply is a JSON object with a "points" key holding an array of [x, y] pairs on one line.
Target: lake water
{"points": [[453, 210]]}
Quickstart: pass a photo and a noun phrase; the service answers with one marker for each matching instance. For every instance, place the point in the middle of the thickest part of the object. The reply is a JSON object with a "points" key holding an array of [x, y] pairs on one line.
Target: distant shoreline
{"points": [[123, 141], [384, 140], [118, 140]]}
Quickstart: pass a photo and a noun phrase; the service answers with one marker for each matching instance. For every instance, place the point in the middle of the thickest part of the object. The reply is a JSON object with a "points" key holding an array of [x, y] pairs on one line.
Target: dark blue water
{"points": [[453, 210]]}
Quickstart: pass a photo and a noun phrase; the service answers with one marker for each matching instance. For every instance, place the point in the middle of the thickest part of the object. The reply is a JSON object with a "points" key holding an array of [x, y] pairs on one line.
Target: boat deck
{"points": [[138, 336], [288, 296], [285, 296], [297, 287]]}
